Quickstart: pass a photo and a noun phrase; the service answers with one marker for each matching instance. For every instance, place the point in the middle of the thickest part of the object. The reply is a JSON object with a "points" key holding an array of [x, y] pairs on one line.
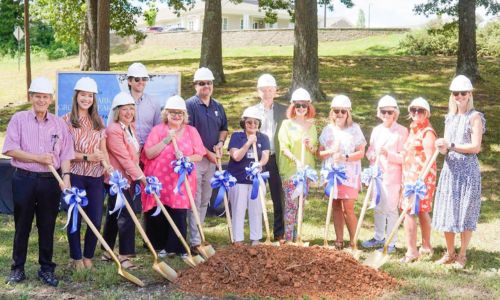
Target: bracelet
{"points": [[222, 141], [66, 173]]}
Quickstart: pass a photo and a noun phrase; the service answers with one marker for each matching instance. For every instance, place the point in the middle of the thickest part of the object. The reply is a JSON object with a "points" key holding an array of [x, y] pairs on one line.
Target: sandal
{"points": [[409, 259], [339, 245], [127, 264], [77, 264], [460, 262], [106, 257], [425, 252], [447, 259]]}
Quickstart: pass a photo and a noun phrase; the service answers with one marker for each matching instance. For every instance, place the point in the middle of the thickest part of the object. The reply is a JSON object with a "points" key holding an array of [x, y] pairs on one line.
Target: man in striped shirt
{"points": [[36, 139]]}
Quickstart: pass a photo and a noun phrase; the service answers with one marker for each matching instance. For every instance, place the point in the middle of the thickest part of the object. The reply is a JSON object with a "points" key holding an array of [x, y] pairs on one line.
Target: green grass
{"points": [[362, 75]]}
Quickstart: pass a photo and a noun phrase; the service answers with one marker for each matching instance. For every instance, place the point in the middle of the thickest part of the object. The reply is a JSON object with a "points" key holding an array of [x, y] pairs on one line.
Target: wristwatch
{"points": [[452, 147], [85, 157], [347, 157]]}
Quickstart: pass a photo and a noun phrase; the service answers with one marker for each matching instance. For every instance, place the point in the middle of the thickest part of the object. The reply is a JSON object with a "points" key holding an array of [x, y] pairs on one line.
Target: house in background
{"points": [[242, 16]]}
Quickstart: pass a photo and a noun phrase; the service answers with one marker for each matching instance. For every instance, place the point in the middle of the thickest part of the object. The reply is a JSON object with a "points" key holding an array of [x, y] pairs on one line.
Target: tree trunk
{"points": [[91, 19], [305, 72], [211, 41], [467, 52], [102, 50], [85, 64]]}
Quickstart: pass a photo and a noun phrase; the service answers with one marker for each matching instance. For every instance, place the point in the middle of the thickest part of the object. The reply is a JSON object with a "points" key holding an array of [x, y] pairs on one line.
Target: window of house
{"points": [[224, 23], [191, 25], [242, 24]]}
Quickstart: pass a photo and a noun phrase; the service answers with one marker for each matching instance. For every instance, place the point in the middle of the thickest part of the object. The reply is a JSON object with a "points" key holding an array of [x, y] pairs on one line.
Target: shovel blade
{"points": [[209, 250], [356, 253], [192, 261], [164, 270], [130, 277], [269, 243], [376, 259]]}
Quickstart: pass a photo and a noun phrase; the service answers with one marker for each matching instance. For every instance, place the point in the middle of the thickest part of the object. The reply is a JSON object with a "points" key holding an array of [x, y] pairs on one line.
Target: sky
{"points": [[384, 13]]}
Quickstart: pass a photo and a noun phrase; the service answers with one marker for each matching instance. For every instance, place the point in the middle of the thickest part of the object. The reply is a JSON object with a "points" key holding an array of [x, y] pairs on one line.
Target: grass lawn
{"points": [[364, 77]]}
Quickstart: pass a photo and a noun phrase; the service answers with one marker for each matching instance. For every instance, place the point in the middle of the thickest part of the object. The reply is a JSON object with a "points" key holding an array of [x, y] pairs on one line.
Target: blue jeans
{"points": [[94, 186]]}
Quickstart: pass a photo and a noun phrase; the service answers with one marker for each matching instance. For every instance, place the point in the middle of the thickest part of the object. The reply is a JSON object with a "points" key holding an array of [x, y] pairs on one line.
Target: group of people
{"points": [[142, 139]]}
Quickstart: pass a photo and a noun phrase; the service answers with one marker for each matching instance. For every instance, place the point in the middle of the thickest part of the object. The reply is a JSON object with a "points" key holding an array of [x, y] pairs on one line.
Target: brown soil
{"points": [[284, 272]]}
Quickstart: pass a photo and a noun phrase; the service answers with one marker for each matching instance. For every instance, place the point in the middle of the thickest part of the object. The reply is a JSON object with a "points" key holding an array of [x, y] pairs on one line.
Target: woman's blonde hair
{"points": [[116, 113], [453, 107], [164, 116], [348, 121]]}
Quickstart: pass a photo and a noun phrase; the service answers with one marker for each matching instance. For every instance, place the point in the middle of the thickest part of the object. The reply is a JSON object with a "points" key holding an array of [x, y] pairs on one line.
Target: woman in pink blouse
{"points": [[159, 153], [87, 130], [387, 141], [123, 149]]}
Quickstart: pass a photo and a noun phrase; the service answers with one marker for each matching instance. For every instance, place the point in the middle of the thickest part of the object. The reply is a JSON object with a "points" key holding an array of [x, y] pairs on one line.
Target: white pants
{"points": [[386, 212], [204, 172], [239, 196]]}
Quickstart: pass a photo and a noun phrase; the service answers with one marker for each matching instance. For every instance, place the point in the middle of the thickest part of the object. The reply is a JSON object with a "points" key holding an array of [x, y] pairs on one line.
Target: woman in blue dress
{"points": [[458, 196]]}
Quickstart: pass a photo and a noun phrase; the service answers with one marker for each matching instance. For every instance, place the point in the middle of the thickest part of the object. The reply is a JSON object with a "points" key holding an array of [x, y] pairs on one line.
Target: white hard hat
{"points": [[175, 102], [252, 112], [387, 101], [86, 84], [122, 98], [341, 101], [203, 74], [461, 84], [137, 70], [420, 102], [300, 94], [41, 85], [266, 80]]}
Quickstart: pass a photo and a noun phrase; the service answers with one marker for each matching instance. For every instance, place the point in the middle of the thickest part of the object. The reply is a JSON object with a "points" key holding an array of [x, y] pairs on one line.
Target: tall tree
{"points": [[361, 19], [305, 72], [211, 40], [465, 10], [11, 14], [150, 14], [102, 50]]}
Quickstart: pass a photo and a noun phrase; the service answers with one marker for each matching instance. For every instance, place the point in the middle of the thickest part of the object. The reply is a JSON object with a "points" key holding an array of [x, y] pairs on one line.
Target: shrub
{"points": [[443, 40], [56, 53]]}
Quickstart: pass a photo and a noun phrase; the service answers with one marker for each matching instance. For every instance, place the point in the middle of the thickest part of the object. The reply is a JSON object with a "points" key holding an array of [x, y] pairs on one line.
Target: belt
{"points": [[26, 173]]}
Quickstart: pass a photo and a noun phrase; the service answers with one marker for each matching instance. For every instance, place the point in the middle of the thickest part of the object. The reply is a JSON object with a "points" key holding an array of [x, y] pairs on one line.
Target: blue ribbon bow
{"points": [[257, 177], [74, 196], [420, 190], [369, 174], [153, 186], [222, 180], [300, 178], [182, 166], [334, 176], [118, 184]]}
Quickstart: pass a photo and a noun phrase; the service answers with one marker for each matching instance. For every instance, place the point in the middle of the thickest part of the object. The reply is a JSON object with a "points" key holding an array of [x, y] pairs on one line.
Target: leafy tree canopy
{"points": [[450, 7]]}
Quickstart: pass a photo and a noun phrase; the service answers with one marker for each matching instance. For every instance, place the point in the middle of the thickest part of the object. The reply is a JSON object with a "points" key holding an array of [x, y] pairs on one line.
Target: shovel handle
{"points": [[410, 201], [226, 205], [89, 222], [262, 198], [191, 198]]}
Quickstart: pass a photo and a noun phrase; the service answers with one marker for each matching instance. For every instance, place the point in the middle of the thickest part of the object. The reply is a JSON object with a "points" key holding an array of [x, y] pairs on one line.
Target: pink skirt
{"points": [[347, 192]]}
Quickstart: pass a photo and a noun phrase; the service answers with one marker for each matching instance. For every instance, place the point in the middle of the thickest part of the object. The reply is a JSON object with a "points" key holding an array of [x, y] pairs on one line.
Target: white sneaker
{"points": [[255, 242], [162, 253]]}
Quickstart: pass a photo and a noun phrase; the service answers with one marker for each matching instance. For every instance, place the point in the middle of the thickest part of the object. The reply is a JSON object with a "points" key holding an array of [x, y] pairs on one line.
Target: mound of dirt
{"points": [[284, 272]]}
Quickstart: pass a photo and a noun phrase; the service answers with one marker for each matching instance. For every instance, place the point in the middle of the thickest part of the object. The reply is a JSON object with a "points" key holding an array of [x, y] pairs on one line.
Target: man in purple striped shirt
{"points": [[36, 139]]}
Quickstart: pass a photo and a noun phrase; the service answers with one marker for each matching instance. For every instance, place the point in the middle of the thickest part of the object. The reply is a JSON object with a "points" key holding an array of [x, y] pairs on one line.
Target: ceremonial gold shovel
{"points": [[262, 198], [378, 258], [206, 250], [121, 271]]}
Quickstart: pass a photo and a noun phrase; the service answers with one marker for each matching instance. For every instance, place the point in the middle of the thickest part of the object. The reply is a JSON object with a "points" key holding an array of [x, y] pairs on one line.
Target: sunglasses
{"points": [[460, 93], [250, 122], [176, 113], [301, 105], [339, 111], [137, 79], [414, 110], [203, 83], [388, 112]]}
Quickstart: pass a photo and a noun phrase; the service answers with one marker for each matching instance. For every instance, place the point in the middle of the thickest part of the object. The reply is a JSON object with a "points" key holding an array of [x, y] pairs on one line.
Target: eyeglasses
{"points": [[461, 93], [301, 105], [203, 83], [250, 122], [389, 112], [414, 110], [137, 79], [176, 113], [340, 111]]}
